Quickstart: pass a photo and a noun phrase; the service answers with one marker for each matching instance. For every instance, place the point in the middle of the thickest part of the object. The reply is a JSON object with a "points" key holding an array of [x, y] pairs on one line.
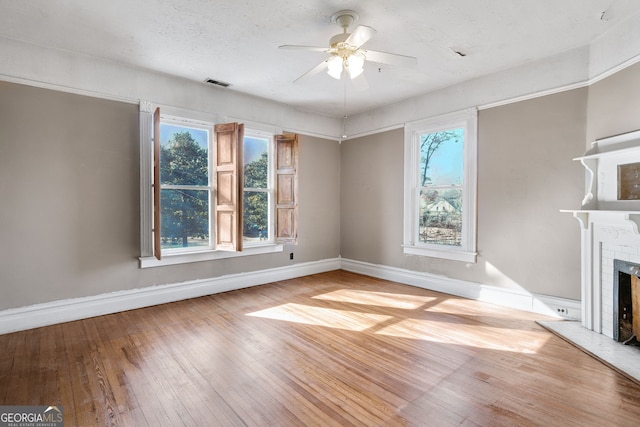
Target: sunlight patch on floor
{"points": [[438, 331], [502, 339], [379, 299], [319, 316]]}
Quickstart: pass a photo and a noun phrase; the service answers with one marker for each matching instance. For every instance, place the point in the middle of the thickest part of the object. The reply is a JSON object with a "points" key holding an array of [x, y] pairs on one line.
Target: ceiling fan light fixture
{"points": [[334, 67], [346, 52], [355, 65]]}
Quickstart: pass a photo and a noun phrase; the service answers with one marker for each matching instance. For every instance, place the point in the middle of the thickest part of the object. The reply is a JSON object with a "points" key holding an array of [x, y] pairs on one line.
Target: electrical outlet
{"points": [[562, 311], [291, 255]]}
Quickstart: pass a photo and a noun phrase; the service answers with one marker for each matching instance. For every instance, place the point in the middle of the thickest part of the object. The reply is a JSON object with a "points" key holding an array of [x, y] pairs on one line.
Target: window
{"points": [[440, 187], [217, 190], [185, 185], [258, 188]]}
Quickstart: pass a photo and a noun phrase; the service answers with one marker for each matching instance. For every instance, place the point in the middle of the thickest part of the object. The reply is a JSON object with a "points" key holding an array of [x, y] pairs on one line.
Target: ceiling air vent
{"points": [[216, 82]]}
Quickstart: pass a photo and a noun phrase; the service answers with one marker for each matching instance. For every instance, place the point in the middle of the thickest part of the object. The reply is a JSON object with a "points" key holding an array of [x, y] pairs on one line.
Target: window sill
{"points": [[454, 255], [173, 259]]}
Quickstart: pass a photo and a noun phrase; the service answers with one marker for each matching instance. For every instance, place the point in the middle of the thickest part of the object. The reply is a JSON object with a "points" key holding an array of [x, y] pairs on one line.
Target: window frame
{"points": [[209, 127], [187, 117], [466, 252], [270, 190]]}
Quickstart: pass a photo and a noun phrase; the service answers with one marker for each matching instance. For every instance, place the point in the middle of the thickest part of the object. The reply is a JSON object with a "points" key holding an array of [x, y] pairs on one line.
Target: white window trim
{"points": [[208, 255], [468, 119], [147, 259]]}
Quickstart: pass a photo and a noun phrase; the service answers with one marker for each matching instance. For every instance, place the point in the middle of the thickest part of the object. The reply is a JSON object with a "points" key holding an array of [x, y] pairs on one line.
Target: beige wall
{"points": [[69, 195], [614, 105], [525, 176], [372, 198], [69, 201]]}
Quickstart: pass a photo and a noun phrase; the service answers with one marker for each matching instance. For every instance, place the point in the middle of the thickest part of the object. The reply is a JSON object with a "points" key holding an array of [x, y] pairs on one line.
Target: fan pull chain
{"points": [[344, 118]]}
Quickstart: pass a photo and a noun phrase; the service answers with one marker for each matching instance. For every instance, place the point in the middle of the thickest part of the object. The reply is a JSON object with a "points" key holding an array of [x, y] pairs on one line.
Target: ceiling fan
{"points": [[347, 53]]}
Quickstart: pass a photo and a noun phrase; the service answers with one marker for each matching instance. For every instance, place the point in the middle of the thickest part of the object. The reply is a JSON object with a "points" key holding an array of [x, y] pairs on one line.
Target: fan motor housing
{"points": [[338, 38]]}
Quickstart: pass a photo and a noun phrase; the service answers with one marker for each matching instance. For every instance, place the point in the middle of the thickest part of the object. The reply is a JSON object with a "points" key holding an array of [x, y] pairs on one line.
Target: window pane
{"points": [[256, 162], [256, 216], [441, 217], [442, 158], [185, 218], [184, 157]]}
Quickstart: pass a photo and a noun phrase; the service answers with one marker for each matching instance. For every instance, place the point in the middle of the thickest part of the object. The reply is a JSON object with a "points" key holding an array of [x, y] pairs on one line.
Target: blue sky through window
{"points": [[253, 148], [446, 166], [199, 135]]}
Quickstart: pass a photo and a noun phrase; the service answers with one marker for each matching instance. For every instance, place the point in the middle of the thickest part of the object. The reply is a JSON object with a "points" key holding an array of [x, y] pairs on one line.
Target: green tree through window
{"points": [[256, 188], [184, 177], [256, 203]]}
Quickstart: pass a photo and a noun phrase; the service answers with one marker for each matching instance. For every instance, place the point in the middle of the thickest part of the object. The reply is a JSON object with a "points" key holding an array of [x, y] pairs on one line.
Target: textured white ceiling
{"points": [[236, 41]]}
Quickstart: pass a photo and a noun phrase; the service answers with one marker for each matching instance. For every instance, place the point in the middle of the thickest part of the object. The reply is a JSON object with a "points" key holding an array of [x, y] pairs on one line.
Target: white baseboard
{"points": [[518, 299], [18, 319]]}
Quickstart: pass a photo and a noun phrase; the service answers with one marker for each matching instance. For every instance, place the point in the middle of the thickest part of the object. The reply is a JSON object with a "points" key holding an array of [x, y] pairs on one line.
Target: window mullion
{"points": [[184, 187]]}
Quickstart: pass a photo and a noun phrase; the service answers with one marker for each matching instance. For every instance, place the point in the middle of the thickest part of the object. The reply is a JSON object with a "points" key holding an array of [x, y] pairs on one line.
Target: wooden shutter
{"points": [[287, 188], [229, 165], [157, 225]]}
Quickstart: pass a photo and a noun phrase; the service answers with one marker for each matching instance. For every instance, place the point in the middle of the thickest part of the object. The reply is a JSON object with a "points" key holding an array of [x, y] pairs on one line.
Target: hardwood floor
{"points": [[330, 349]]}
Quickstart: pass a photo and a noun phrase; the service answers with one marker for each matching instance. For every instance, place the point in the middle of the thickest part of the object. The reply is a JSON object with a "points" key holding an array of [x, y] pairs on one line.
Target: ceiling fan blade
{"points": [[307, 48], [360, 83], [390, 58], [312, 72], [360, 35]]}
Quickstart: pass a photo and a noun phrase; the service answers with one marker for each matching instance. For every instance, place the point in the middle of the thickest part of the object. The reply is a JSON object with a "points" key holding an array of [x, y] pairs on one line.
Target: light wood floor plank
{"points": [[332, 349]]}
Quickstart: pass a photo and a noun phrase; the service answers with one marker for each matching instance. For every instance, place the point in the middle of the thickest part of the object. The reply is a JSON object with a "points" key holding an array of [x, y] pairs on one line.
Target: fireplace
{"points": [[609, 221], [610, 231], [626, 302]]}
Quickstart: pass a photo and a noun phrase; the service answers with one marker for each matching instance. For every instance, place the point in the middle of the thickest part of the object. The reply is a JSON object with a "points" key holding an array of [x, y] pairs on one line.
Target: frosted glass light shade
{"points": [[334, 67], [355, 65]]}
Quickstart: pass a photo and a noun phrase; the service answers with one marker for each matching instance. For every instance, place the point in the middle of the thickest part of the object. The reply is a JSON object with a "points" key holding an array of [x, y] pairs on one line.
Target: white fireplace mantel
{"points": [[584, 216], [609, 226]]}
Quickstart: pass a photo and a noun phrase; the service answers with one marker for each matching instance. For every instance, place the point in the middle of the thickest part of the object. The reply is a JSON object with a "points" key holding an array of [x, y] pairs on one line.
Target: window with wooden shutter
{"points": [[211, 189], [229, 186], [286, 162]]}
